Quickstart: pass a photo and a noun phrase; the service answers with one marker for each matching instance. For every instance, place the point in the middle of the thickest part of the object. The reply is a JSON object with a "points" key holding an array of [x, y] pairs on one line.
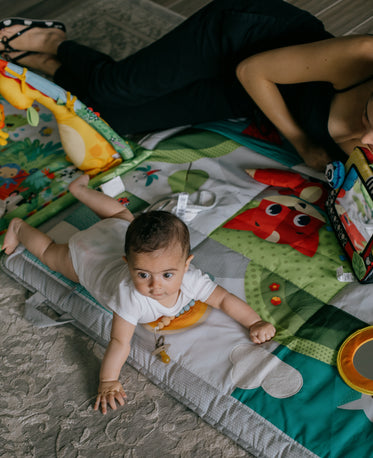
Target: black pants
{"points": [[188, 75]]}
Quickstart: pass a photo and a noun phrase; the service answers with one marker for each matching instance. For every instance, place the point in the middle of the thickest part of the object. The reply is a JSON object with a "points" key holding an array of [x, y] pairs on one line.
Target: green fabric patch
{"points": [[191, 146], [304, 323], [235, 130]]}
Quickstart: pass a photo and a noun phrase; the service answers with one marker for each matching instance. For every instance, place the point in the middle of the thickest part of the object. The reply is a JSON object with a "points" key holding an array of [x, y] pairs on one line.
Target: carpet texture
{"points": [[49, 375]]}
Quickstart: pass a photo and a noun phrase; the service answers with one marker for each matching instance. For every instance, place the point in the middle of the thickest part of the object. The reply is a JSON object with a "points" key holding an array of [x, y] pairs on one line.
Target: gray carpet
{"points": [[49, 376]]}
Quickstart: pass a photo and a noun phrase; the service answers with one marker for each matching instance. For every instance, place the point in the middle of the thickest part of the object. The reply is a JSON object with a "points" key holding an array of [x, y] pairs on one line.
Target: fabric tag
{"points": [[113, 187], [345, 277], [182, 202]]}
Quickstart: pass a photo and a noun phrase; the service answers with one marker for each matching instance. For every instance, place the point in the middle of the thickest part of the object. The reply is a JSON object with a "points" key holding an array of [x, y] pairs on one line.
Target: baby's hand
{"points": [[262, 331], [109, 392]]}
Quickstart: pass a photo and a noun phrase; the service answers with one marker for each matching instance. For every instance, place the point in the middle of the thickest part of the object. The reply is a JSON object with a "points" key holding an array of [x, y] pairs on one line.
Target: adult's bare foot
{"points": [[45, 63], [11, 238], [36, 39]]}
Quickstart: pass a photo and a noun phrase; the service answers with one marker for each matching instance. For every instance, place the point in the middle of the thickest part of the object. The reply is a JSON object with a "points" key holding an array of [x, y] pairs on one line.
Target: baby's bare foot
{"points": [[81, 180], [35, 39], [11, 236]]}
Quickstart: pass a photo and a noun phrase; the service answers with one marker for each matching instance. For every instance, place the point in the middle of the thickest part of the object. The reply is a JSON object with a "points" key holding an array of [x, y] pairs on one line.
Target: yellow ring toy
{"points": [[345, 361]]}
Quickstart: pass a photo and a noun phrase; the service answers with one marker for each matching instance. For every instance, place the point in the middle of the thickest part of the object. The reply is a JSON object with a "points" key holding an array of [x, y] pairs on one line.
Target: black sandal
{"points": [[29, 24]]}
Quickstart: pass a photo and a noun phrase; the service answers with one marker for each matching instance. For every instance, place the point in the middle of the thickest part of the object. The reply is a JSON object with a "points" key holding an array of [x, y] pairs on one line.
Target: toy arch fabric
{"points": [[89, 142], [345, 361]]}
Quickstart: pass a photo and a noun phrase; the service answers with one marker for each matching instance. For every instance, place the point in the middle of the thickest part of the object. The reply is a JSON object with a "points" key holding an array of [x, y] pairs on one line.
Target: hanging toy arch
{"points": [[87, 140], [36, 168]]}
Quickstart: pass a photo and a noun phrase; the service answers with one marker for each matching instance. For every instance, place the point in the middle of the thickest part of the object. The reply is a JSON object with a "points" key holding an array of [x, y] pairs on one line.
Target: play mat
{"points": [[262, 233]]}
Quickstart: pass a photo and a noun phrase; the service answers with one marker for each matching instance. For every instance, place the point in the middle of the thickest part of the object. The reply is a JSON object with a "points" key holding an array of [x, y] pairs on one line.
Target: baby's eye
{"points": [[168, 275], [143, 275]]}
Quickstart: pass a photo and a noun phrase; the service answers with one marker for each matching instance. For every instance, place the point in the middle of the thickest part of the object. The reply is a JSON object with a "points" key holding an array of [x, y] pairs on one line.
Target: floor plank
{"points": [[314, 6], [345, 16], [339, 16], [188, 7], [35, 9]]}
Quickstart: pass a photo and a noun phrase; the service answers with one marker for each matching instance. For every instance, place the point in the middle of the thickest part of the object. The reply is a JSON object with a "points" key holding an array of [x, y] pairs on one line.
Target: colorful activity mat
{"points": [[264, 236]]}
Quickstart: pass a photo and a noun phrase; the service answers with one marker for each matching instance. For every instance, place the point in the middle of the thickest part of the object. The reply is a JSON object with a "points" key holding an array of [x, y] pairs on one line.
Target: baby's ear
{"points": [[187, 262], [125, 259]]}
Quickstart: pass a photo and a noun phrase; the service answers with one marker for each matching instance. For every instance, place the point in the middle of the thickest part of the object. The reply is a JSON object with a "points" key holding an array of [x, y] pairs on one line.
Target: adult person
{"points": [[230, 59]]}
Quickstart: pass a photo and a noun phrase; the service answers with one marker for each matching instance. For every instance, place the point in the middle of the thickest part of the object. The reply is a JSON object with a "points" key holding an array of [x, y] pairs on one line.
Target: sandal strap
{"points": [[5, 40], [14, 60]]}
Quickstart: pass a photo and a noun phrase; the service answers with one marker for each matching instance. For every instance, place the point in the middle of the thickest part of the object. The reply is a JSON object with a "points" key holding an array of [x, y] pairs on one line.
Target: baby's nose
{"points": [[155, 282]]}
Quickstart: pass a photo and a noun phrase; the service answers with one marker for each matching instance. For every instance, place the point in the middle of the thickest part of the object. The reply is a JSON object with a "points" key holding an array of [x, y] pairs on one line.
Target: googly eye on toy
{"points": [[335, 174]]}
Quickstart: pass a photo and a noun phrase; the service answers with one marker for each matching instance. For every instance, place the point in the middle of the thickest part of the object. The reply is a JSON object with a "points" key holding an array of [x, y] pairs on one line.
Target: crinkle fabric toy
{"points": [[89, 142]]}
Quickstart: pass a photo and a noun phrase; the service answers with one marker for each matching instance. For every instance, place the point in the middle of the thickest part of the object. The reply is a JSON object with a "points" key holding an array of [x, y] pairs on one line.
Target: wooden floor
{"points": [[341, 17]]}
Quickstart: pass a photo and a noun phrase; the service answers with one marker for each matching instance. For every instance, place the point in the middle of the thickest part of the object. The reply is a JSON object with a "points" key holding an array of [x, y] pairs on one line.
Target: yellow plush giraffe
{"points": [[3, 135], [84, 145]]}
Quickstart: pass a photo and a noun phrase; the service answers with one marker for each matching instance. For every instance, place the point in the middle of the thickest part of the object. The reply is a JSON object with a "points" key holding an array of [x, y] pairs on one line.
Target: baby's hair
{"points": [[156, 230]]}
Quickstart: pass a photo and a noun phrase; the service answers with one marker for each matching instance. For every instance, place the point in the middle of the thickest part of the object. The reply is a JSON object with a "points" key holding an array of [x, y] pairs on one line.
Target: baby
{"points": [[154, 278]]}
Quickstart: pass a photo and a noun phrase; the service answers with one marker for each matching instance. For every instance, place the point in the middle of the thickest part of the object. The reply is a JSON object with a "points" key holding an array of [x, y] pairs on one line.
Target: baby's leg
{"points": [[104, 206], [55, 256]]}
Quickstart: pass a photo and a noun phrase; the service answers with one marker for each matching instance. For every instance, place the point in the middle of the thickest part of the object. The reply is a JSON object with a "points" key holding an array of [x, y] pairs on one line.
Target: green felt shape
{"points": [[358, 265], [191, 146], [187, 181], [32, 116]]}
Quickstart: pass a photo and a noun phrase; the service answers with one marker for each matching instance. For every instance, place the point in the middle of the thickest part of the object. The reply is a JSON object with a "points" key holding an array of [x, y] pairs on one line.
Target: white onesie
{"points": [[97, 259]]}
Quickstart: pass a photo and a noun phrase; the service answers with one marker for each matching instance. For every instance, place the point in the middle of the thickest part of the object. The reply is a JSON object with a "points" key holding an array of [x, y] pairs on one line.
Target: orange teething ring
{"points": [[345, 361], [196, 315]]}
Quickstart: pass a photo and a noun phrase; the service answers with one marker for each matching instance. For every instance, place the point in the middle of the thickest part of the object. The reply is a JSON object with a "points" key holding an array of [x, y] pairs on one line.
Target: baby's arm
{"points": [[260, 330], [104, 206], [110, 389]]}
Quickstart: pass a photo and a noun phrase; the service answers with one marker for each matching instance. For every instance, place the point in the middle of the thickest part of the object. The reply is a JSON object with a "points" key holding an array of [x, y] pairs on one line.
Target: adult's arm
{"points": [[341, 61]]}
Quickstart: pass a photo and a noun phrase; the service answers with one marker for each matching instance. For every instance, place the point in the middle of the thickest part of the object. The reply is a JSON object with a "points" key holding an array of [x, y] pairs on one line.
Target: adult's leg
{"points": [[176, 60], [197, 49], [215, 101], [172, 71]]}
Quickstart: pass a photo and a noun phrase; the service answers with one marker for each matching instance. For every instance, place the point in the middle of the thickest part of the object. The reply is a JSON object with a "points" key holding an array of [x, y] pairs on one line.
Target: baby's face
{"points": [[159, 274]]}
